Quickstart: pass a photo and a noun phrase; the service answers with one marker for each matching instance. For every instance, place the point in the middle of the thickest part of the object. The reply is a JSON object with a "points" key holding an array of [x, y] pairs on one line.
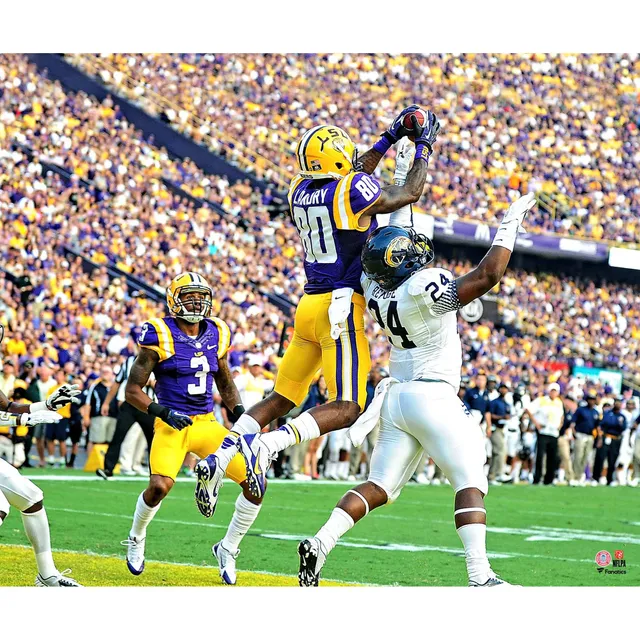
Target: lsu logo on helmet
{"points": [[190, 282], [326, 152]]}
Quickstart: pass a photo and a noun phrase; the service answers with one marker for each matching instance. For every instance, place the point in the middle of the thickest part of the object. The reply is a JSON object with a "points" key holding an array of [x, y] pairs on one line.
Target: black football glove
{"points": [[426, 134]]}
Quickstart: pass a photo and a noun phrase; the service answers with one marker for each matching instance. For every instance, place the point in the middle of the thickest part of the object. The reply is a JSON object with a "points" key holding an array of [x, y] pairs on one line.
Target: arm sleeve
{"points": [[438, 290], [448, 301], [355, 194]]}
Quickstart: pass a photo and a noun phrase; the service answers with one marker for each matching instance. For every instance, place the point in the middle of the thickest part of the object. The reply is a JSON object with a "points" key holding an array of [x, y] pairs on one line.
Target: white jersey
{"points": [[419, 319]]}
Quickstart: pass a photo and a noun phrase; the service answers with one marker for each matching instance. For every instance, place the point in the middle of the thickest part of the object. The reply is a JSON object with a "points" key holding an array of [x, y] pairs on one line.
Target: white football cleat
{"points": [[312, 559], [226, 562], [492, 581], [210, 475], [59, 580], [135, 554], [257, 460], [422, 478]]}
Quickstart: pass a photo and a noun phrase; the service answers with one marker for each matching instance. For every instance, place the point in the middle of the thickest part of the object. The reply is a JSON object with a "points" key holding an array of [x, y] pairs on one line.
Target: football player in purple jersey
{"points": [[186, 352]]}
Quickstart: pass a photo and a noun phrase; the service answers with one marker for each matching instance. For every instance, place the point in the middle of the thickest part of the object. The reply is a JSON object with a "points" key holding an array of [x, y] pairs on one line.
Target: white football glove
{"points": [[63, 396], [404, 155], [519, 209], [39, 417]]}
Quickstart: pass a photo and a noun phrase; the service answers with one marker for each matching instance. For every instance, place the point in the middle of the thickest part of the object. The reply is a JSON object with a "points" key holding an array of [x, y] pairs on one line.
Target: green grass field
{"points": [[537, 536]]}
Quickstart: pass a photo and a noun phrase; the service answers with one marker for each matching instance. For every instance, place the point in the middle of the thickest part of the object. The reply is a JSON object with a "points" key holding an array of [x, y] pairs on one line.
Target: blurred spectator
{"points": [[564, 443], [7, 379], [585, 422], [610, 431], [546, 413], [500, 411], [59, 431], [101, 428]]}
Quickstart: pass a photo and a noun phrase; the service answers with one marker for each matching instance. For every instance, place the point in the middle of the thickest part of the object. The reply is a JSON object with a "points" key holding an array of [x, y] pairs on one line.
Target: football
{"points": [[420, 115]]}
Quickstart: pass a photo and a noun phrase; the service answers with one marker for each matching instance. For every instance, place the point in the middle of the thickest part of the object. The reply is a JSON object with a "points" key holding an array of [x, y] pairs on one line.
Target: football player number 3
{"points": [[316, 233], [201, 376]]}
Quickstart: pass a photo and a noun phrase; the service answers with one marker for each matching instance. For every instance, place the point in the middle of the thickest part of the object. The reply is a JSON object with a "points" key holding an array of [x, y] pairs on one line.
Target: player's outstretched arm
{"points": [[394, 197], [141, 369], [228, 390], [492, 267]]}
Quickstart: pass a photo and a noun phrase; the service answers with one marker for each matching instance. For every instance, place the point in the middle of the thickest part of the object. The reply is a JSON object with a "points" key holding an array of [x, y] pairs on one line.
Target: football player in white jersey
{"points": [[417, 406], [20, 493]]}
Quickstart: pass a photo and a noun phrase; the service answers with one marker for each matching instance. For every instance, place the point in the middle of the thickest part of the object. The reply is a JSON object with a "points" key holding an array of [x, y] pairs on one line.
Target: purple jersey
{"points": [[184, 375], [327, 215]]}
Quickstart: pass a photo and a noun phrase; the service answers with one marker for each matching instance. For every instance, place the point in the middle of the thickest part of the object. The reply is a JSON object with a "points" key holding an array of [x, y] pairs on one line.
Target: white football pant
{"points": [[419, 416], [20, 492]]}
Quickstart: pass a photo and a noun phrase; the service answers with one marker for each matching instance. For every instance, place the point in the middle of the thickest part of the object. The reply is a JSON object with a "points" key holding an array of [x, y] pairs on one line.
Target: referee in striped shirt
{"points": [[127, 417]]}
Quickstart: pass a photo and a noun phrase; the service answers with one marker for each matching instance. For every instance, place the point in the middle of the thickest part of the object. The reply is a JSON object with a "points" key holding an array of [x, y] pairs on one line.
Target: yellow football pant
{"points": [[203, 437], [345, 361]]}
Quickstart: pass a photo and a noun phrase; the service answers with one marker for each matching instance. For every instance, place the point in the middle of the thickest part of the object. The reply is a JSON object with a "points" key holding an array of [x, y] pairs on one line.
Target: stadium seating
{"points": [[563, 125], [119, 181]]}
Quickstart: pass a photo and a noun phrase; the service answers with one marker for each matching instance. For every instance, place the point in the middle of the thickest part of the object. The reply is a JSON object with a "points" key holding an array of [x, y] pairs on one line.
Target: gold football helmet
{"points": [[326, 152], [190, 282]]}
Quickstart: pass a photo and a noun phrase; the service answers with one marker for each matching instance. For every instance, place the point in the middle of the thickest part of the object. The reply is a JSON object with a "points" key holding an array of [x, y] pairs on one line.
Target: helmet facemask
{"points": [[201, 307]]}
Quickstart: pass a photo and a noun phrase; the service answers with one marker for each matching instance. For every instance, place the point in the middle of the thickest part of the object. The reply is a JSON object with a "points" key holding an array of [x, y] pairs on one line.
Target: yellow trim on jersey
{"points": [[165, 348], [224, 338], [342, 213], [359, 227], [292, 187]]}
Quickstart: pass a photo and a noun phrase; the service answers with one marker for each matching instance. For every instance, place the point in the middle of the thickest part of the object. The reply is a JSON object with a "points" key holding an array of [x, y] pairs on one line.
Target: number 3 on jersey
{"points": [[393, 324]]}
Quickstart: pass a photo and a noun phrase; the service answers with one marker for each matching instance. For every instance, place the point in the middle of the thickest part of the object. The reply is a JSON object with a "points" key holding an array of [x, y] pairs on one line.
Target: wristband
{"points": [[506, 235], [157, 410], [238, 410], [383, 145], [423, 151], [38, 406]]}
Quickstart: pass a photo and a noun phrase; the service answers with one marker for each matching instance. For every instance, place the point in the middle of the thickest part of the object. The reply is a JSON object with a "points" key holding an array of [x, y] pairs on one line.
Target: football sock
{"points": [[474, 540], [329, 469], [72, 459], [36, 526], [343, 470], [300, 429], [243, 517], [245, 425], [515, 470], [142, 517], [336, 526]]}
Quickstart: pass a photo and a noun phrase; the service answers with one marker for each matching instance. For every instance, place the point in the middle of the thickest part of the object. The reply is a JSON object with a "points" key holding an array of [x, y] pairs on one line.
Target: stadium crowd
{"points": [[562, 124], [64, 313]]}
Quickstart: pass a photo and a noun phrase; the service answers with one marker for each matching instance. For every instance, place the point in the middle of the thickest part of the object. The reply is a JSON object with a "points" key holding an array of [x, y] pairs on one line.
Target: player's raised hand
{"points": [[427, 133], [397, 129], [519, 209], [63, 396], [178, 420]]}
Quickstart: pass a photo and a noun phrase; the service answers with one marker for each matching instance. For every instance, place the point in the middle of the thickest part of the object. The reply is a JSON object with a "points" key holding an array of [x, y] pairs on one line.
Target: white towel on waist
{"points": [[339, 310], [368, 421]]}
